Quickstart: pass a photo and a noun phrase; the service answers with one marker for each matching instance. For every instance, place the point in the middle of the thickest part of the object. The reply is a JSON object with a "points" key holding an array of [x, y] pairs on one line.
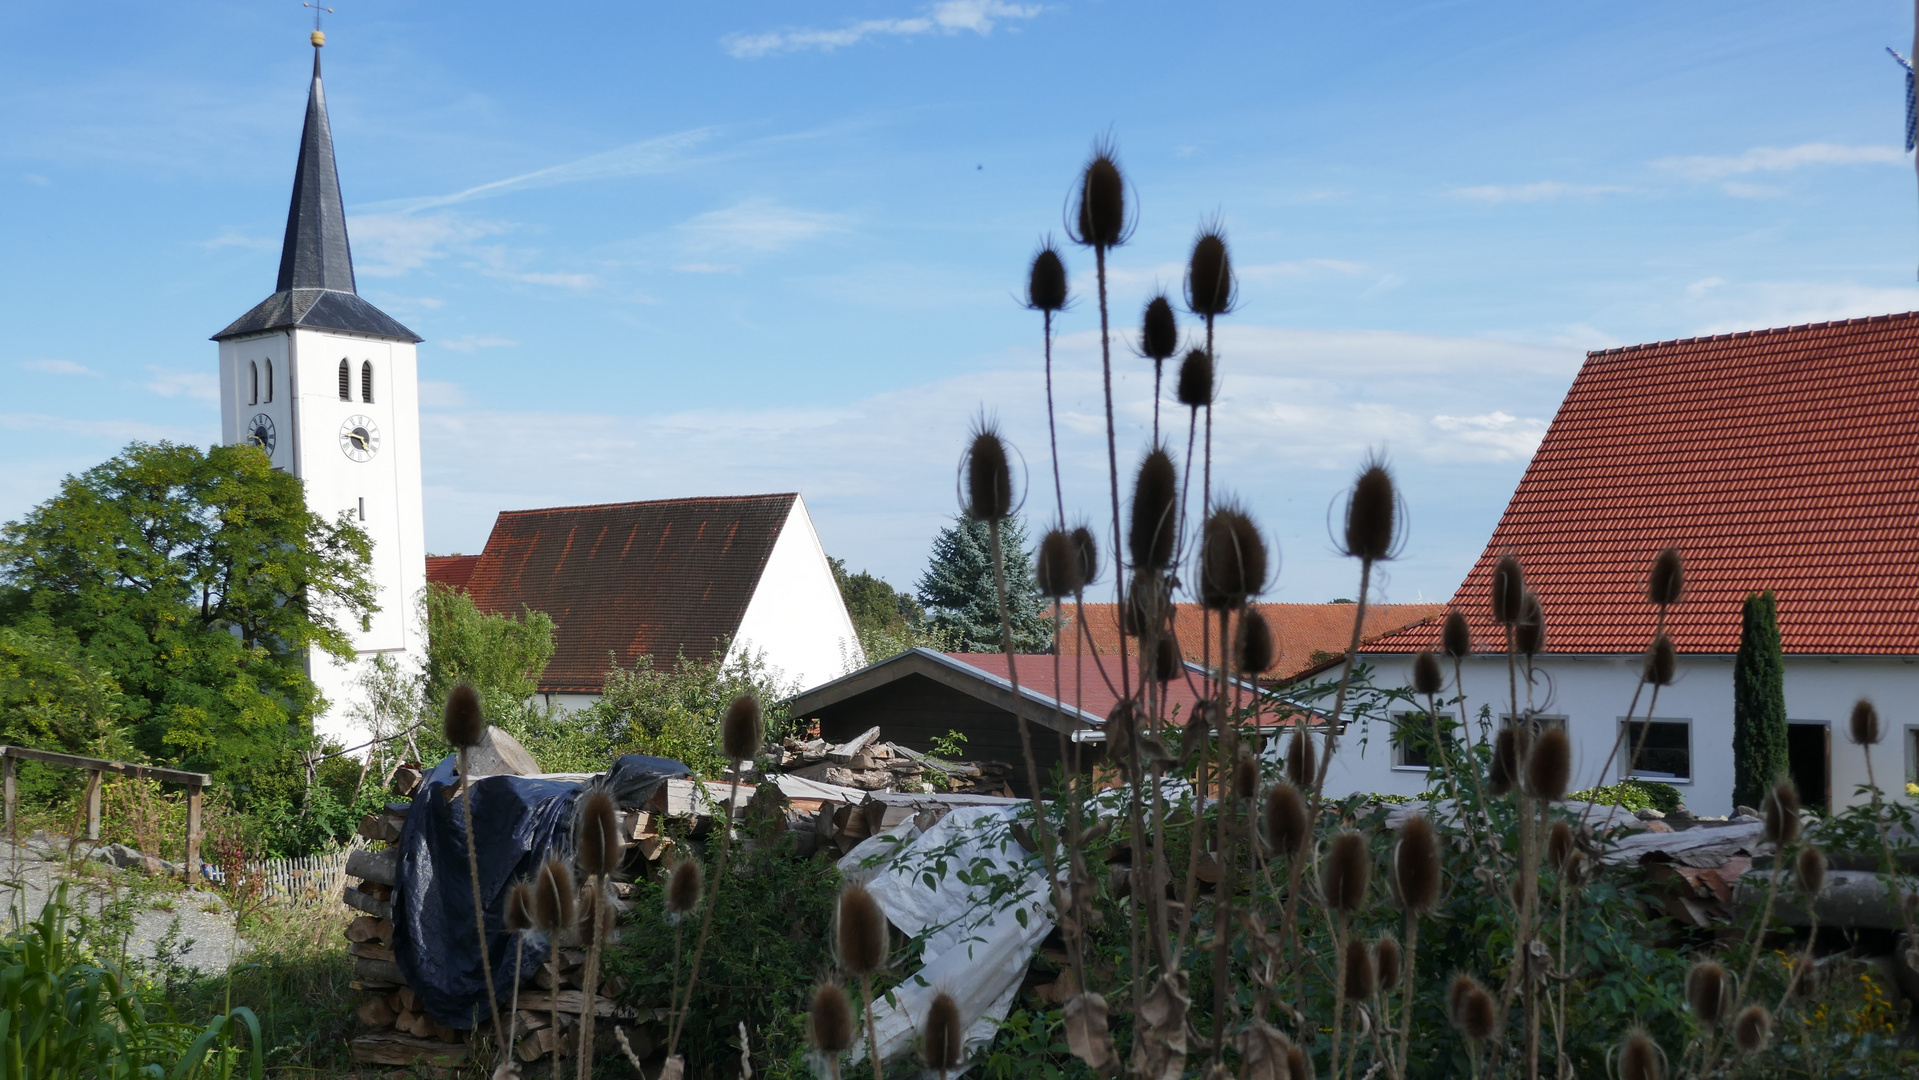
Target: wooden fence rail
{"points": [[196, 783]]}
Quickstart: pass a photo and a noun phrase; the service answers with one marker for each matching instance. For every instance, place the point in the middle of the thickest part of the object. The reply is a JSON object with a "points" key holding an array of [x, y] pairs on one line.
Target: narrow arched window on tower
{"points": [[346, 382], [366, 381], [269, 380], [253, 393]]}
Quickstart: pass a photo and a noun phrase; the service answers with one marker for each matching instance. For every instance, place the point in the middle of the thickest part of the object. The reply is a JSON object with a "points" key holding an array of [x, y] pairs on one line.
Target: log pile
{"points": [[867, 764]]}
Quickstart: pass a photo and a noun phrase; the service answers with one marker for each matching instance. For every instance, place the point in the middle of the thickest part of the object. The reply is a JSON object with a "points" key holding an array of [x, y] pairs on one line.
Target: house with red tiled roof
{"points": [[663, 579], [1783, 459], [1307, 638]]}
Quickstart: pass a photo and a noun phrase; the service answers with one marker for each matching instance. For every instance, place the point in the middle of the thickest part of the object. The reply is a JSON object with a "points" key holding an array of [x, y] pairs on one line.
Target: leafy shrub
{"points": [[1634, 795]]}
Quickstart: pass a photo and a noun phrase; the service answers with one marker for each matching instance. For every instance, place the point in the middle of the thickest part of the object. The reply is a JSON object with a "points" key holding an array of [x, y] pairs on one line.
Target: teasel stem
{"points": [[1206, 500], [678, 1026], [1052, 426], [513, 1014], [465, 795], [872, 1043], [1228, 880], [583, 1064], [1659, 627], [1339, 995], [1408, 980], [1491, 859]]}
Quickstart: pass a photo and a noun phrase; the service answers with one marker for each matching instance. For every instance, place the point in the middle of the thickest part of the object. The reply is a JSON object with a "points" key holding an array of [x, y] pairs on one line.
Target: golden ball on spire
{"points": [[318, 39]]}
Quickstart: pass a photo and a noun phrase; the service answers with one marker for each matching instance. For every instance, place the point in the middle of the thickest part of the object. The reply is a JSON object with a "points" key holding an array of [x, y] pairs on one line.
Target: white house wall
{"points": [[1594, 692], [797, 618]]}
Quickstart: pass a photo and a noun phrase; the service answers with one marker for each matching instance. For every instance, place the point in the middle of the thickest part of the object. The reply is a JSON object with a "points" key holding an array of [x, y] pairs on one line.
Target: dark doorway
{"points": [[1808, 758]]}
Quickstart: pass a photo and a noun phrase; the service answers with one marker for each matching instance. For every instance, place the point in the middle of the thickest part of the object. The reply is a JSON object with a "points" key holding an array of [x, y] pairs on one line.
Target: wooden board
{"points": [[382, 867], [360, 901], [571, 1001], [393, 1048], [170, 776], [368, 950], [368, 969], [368, 928]]}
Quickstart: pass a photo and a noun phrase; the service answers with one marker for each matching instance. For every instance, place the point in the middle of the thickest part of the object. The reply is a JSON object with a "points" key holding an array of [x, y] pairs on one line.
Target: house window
{"points": [[1537, 722], [366, 381], [1413, 746], [1656, 750], [253, 394], [1912, 755], [346, 381], [269, 364], [363, 508]]}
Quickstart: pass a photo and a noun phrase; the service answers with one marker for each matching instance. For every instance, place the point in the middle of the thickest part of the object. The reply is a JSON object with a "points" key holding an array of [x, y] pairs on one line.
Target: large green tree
{"points": [[1758, 703], [958, 587], [199, 582]]}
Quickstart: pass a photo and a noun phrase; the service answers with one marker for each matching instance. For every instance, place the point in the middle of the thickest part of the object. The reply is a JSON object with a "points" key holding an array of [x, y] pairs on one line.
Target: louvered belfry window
{"points": [[253, 395], [366, 381], [269, 380], [346, 381]]}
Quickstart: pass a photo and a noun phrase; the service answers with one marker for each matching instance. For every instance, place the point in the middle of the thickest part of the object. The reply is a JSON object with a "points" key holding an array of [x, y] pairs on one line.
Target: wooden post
{"points": [[193, 834], [12, 793], [93, 804]]}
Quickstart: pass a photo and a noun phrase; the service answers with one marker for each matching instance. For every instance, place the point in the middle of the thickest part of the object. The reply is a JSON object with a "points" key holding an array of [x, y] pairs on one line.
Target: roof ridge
{"points": [[1737, 334], [655, 502]]}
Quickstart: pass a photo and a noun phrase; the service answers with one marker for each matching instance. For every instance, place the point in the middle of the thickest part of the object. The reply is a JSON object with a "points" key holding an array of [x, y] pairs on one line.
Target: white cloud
{"points": [[1541, 191], [947, 18], [1717, 306], [1499, 435], [235, 238], [756, 225], [706, 268], [58, 367], [503, 263], [1779, 159], [117, 431], [36, 179], [660, 154], [443, 395], [467, 343], [194, 384], [1740, 190], [388, 245]]}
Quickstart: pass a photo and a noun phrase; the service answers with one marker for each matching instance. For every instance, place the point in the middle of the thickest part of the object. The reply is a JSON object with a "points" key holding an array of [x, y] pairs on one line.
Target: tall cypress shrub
{"points": [[1758, 703]]}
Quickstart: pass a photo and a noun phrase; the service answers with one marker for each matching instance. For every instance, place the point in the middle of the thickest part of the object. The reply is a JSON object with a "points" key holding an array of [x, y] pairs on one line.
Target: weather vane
{"points": [[319, 36]]}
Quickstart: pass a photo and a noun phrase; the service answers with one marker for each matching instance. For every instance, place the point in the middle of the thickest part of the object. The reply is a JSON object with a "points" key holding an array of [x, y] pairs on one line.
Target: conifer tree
{"points": [[1758, 703], [958, 588]]}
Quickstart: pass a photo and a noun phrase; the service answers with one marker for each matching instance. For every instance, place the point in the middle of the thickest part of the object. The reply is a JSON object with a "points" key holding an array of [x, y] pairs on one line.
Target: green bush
{"points": [[1634, 795]]}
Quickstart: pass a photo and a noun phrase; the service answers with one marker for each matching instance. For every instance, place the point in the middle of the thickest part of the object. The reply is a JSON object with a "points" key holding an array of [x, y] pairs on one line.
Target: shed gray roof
{"points": [[316, 287]]}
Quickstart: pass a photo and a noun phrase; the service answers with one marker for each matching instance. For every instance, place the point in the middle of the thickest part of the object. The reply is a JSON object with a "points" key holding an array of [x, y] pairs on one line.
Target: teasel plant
{"points": [[860, 940], [742, 730], [519, 922], [598, 848], [465, 727], [555, 908]]}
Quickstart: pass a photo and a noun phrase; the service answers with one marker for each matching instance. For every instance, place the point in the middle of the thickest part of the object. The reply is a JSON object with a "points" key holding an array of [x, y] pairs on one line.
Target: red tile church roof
{"points": [[626, 580], [1774, 459]]}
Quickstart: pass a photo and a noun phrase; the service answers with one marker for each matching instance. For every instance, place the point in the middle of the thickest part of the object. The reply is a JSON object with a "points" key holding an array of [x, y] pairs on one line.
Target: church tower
{"points": [[328, 385]]}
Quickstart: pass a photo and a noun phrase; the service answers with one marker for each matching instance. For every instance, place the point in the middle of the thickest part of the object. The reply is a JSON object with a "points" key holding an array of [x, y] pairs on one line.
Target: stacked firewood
{"points": [[868, 764]]}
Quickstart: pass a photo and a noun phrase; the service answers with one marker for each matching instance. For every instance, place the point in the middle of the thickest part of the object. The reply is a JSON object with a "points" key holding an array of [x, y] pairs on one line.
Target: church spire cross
{"points": [[319, 36]]}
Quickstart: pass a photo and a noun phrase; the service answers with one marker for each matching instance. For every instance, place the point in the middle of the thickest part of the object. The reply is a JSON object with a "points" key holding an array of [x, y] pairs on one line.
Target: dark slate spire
{"points": [[315, 254], [316, 287]]}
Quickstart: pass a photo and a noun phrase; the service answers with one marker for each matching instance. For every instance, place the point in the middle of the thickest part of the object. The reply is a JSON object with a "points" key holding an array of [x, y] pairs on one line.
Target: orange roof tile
{"points": [[1782, 459], [1308, 636], [453, 571]]}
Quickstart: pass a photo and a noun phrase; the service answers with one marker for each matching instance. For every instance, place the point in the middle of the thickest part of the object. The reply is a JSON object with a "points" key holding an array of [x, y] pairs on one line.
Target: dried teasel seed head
{"points": [[741, 730], [1427, 678], [1166, 660], [1195, 387], [555, 898], [1372, 512], [1386, 961], [1505, 767], [1153, 537], [1709, 992], [944, 1034], [597, 843], [1159, 331], [464, 724], [1209, 275], [1549, 767], [1456, 637], [1529, 633], [1416, 864], [1753, 1028], [1253, 646], [1101, 214], [1662, 661], [1781, 813], [861, 932], [1667, 581], [1087, 550], [1299, 1064], [684, 887], [1809, 870], [1302, 765], [1863, 727], [989, 475], [1348, 871], [1559, 845], [1508, 591], [829, 1020], [1056, 566], [1473, 1010], [1149, 605], [1232, 559], [1640, 1059], [1462, 984], [1285, 818], [1358, 979], [519, 907], [1046, 281], [1246, 776]]}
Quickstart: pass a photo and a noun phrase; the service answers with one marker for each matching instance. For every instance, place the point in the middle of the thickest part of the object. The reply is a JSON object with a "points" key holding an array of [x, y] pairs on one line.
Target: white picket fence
{"points": [[311, 879]]}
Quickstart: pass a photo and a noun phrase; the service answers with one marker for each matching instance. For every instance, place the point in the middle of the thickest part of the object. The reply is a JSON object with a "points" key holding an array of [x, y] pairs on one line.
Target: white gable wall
{"points": [[1593, 693], [797, 618]]}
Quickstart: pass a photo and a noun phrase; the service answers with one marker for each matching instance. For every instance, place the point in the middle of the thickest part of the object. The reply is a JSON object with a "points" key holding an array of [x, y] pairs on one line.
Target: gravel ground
{"points": [[204, 939]]}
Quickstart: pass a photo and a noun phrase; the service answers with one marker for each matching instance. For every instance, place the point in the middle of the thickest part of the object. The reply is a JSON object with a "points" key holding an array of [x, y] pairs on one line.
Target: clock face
{"points": [[359, 439], [259, 432]]}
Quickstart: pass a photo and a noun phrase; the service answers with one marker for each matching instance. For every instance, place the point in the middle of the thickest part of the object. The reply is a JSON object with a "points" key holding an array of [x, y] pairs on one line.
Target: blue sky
{"points": [[670, 249]]}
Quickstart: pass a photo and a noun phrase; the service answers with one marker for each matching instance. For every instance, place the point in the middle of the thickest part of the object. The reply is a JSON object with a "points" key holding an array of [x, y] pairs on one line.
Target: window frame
{"points": [[346, 380], [366, 382], [269, 365], [1625, 766], [253, 397], [1399, 747]]}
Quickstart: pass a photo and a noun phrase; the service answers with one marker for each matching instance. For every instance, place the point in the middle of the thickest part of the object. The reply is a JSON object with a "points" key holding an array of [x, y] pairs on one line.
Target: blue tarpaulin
{"points": [[517, 822]]}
